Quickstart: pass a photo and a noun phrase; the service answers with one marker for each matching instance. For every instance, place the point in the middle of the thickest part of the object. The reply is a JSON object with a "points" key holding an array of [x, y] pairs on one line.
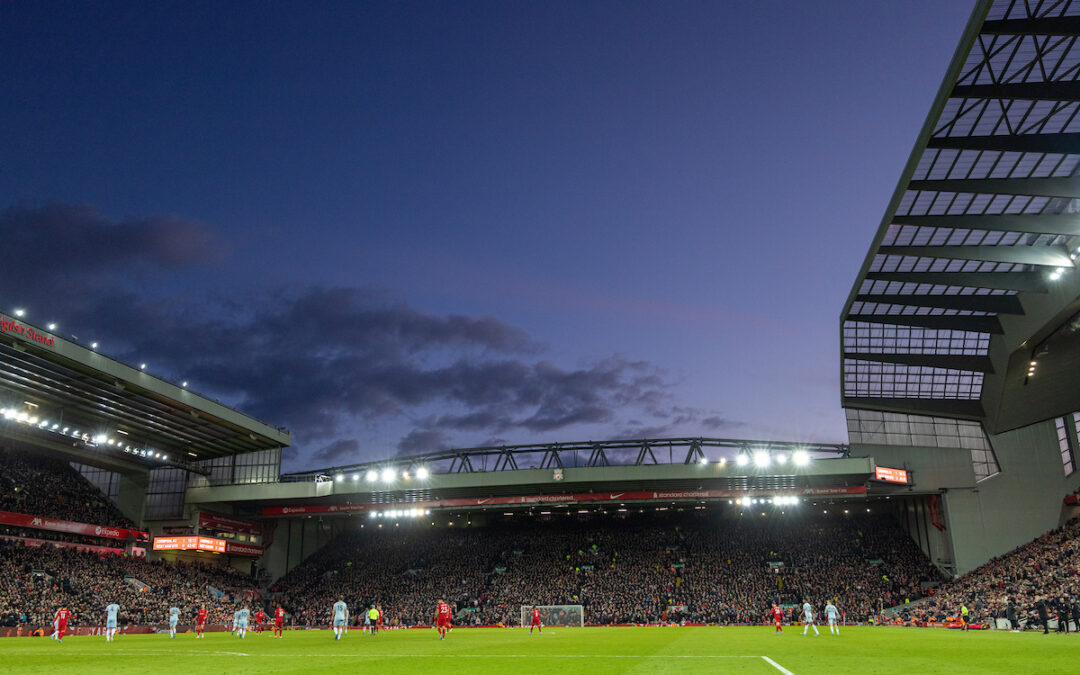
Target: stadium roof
{"points": [[973, 266], [70, 386]]}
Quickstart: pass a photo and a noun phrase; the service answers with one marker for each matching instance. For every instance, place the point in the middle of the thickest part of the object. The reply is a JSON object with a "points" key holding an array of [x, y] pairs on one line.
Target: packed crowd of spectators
{"points": [[44, 486], [694, 566], [36, 581], [1028, 585]]}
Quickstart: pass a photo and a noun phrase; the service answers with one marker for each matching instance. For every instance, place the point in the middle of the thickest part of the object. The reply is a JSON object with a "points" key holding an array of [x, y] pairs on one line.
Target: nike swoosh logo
{"points": [[618, 495]]}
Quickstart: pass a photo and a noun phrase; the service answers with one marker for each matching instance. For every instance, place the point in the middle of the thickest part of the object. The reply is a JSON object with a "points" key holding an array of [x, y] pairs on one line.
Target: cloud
{"points": [[338, 450], [420, 441], [339, 366]]}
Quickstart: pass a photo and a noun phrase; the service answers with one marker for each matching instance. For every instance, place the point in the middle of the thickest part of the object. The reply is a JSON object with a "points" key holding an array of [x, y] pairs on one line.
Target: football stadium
{"points": [[145, 526]]}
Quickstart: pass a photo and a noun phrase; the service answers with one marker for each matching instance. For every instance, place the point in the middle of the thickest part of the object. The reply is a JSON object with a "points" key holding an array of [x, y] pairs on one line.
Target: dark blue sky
{"points": [[397, 226]]}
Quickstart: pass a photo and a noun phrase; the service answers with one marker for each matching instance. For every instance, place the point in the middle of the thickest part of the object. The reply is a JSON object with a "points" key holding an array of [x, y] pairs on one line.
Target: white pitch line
{"points": [[369, 655], [776, 665]]}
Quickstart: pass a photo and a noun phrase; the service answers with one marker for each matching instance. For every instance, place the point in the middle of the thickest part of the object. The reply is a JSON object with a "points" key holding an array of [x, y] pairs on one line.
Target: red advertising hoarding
{"points": [[891, 475], [38, 543], [43, 523], [577, 498]]}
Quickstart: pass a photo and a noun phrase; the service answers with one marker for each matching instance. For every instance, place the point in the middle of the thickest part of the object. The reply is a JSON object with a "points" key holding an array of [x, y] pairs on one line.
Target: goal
{"points": [[555, 615]]}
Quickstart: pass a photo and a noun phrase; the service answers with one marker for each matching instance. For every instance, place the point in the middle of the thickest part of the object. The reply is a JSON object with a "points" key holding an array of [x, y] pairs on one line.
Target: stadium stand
{"points": [[42, 486], [692, 567], [36, 581], [1045, 569]]}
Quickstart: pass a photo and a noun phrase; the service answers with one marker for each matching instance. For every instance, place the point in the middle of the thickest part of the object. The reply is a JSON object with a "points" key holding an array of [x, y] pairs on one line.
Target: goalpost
{"points": [[554, 615]]}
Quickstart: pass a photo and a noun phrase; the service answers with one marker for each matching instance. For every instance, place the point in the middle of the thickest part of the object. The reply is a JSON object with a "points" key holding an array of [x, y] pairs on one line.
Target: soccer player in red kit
{"points": [[260, 617], [379, 621], [442, 619], [279, 621], [536, 621], [200, 622], [778, 617], [60, 622]]}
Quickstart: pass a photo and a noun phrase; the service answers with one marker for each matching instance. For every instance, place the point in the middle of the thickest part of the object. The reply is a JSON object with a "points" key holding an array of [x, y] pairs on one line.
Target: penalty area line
{"points": [[776, 665]]}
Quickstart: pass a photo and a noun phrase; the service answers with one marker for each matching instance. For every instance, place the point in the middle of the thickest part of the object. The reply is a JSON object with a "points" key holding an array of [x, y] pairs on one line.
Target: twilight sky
{"points": [[401, 226]]}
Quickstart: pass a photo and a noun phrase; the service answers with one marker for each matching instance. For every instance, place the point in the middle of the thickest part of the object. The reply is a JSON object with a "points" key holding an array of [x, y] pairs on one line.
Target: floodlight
{"points": [[704, 461], [742, 459], [142, 366], [93, 345], [356, 476], [339, 478], [388, 475], [422, 473], [372, 476], [51, 326], [20, 313], [761, 459], [800, 457]]}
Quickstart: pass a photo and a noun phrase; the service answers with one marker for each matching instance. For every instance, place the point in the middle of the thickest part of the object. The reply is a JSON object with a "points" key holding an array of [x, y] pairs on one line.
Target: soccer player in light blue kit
{"points": [[833, 615], [242, 621], [341, 618], [808, 618], [236, 622], [110, 621], [174, 618]]}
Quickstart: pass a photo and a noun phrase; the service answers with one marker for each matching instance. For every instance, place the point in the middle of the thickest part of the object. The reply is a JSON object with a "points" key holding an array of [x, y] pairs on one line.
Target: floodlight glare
{"points": [[93, 345], [372, 476], [51, 326], [800, 457], [20, 313], [761, 459], [388, 475], [704, 461], [422, 473], [742, 459], [339, 478], [356, 476]]}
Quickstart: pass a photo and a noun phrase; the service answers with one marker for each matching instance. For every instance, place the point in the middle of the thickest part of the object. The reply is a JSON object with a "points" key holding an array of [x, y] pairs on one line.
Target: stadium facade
{"points": [[959, 350], [959, 353]]}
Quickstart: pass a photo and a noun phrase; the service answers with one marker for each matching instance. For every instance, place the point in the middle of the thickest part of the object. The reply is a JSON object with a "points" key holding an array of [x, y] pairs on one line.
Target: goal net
{"points": [[554, 615]]}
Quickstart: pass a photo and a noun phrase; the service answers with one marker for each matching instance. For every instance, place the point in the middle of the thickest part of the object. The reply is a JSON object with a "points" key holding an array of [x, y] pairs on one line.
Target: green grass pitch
{"points": [[596, 651]]}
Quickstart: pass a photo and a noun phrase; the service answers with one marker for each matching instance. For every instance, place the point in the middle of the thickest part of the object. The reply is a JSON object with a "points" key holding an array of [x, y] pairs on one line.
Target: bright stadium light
{"points": [[373, 514], [184, 384], [781, 457], [164, 458], [142, 366], [100, 438], [20, 313], [372, 476], [356, 476], [742, 459], [422, 473], [388, 475], [51, 326], [800, 457], [704, 461], [339, 478], [761, 459], [93, 345]]}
